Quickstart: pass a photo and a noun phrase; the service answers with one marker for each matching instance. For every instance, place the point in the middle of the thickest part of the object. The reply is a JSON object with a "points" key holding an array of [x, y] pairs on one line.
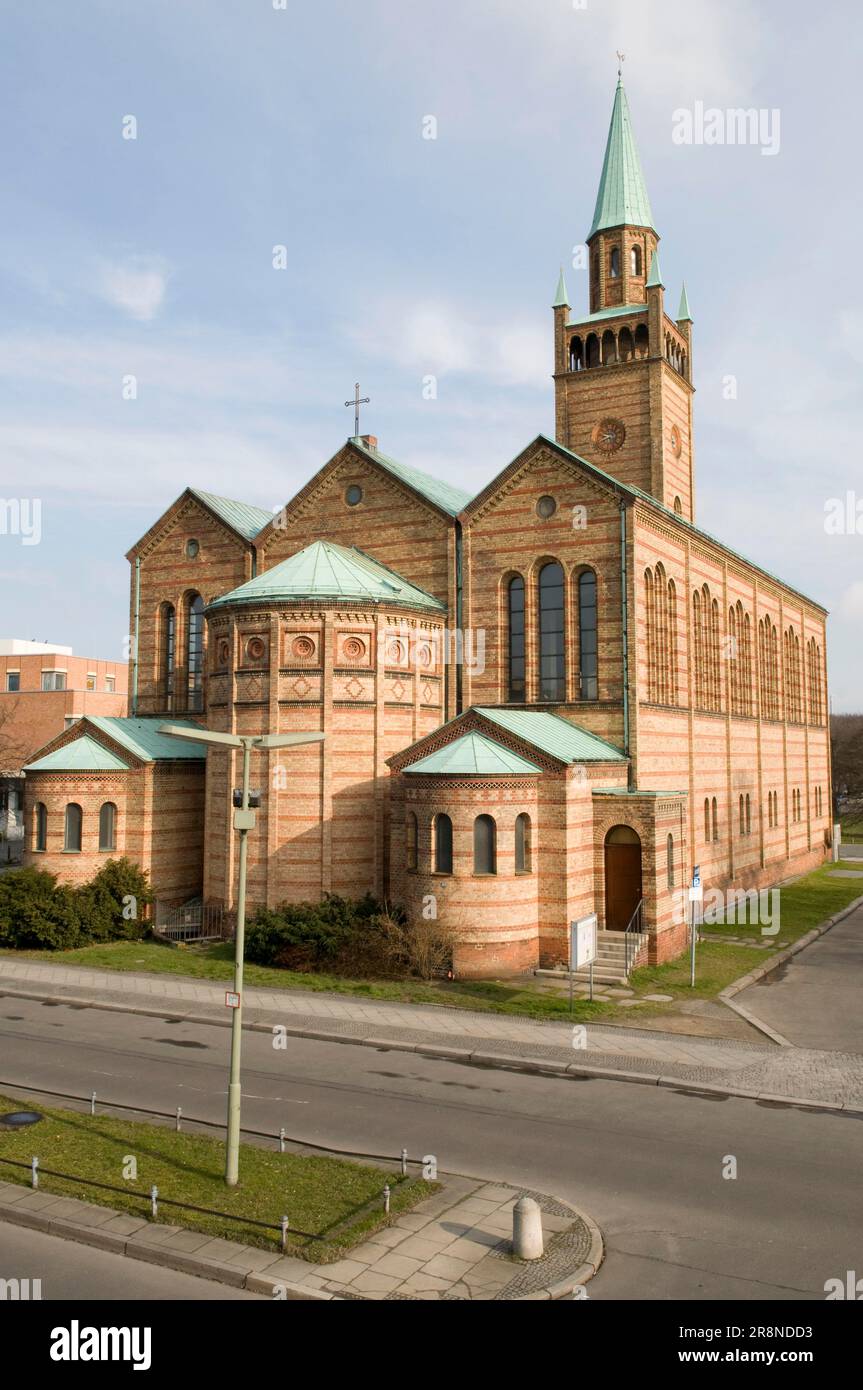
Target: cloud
{"points": [[851, 603], [136, 286], [439, 338]]}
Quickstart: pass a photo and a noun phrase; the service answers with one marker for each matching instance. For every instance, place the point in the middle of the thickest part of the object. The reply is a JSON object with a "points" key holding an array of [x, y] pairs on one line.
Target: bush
{"points": [[358, 937], [37, 913]]}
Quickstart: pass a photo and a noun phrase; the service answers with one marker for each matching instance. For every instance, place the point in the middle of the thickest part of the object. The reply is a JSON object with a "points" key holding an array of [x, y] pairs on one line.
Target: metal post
{"points": [[34, 1172], [284, 1233], [692, 944], [282, 1140], [179, 1116], [387, 1198], [404, 1162], [92, 1102], [154, 1193], [591, 982], [232, 1155]]}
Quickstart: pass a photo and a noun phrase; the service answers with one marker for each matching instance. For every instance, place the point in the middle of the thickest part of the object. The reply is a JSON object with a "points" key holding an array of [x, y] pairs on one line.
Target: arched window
{"points": [[715, 816], [625, 345], [522, 844], [587, 637], [642, 340], [552, 661], [484, 846], [635, 260], [108, 825], [669, 860], [168, 647], [609, 348], [678, 507], [614, 262], [742, 809], [591, 348], [411, 840], [515, 596], [576, 354], [195, 652], [748, 815], [707, 820], [72, 836], [442, 844], [40, 826]]}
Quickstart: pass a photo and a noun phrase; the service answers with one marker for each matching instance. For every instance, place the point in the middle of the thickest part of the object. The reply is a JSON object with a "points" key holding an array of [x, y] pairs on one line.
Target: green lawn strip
{"points": [[331, 1197], [803, 904]]}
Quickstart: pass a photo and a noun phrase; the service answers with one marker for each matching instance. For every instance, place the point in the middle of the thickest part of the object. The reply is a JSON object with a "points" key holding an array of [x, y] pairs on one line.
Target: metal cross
{"points": [[621, 59], [357, 401]]}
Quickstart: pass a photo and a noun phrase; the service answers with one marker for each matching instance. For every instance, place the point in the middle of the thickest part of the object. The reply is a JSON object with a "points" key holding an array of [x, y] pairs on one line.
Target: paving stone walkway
{"points": [[455, 1246]]}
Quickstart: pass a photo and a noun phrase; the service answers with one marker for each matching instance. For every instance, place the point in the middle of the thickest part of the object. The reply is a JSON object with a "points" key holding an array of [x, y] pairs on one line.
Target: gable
{"points": [[206, 513]]}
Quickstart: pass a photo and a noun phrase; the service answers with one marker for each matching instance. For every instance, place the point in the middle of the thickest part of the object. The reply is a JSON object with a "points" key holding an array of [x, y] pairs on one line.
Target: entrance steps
{"points": [[609, 968]]}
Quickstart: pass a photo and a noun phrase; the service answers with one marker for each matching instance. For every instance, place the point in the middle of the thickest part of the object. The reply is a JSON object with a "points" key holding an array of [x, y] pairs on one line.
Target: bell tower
{"points": [[623, 370]]}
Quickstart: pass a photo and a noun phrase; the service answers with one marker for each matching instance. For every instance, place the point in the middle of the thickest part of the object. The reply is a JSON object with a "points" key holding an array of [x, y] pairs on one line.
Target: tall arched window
{"points": [[522, 844], [678, 507], [715, 817], [669, 860], [443, 844], [587, 636], [411, 840], [552, 663], [742, 816], [515, 598], [614, 262], [108, 825], [707, 820], [748, 815], [167, 659], [40, 826], [635, 260], [484, 845], [72, 836], [195, 652]]}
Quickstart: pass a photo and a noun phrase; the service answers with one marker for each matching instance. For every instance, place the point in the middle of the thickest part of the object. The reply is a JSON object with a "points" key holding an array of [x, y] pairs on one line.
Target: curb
{"points": [[753, 976], [134, 1247]]}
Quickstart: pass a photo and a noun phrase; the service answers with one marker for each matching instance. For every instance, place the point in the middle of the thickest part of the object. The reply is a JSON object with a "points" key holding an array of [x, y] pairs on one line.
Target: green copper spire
{"points": [[561, 298], [622, 198], [683, 314], [654, 279]]}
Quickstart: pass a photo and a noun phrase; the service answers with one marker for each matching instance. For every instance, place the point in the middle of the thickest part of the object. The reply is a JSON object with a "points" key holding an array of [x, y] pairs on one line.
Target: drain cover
{"points": [[20, 1117]]}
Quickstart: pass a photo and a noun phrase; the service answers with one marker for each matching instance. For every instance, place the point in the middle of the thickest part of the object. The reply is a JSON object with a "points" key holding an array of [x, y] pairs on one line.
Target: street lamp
{"points": [[244, 821]]}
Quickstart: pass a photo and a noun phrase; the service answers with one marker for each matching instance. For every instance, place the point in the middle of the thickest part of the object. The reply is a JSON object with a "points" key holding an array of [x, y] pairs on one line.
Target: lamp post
{"points": [[244, 821]]}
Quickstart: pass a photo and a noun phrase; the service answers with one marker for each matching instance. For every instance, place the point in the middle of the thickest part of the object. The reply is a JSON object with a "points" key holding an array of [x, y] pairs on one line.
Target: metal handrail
{"points": [[633, 931]]}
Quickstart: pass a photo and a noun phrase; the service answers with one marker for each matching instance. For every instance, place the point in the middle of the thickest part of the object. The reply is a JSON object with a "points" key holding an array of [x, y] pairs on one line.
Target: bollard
{"points": [[154, 1193], [34, 1171], [282, 1140], [387, 1198], [92, 1102], [284, 1233], [404, 1163], [526, 1229], [179, 1115]]}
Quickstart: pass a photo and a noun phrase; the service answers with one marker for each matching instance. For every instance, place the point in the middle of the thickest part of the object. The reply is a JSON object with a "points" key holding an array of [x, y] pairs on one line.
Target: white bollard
{"points": [[526, 1229]]}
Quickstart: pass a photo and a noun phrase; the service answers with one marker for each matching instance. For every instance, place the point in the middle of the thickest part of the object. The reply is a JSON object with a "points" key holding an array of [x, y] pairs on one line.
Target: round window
{"points": [[546, 507], [354, 494], [192, 548], [256, 648]]}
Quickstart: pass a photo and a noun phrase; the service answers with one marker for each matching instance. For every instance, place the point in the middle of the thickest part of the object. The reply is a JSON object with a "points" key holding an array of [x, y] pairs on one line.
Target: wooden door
{"points": [[622, 884]]}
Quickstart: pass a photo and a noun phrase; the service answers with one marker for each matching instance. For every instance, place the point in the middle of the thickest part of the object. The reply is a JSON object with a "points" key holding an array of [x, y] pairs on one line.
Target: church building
{"points": [[554, 698]]}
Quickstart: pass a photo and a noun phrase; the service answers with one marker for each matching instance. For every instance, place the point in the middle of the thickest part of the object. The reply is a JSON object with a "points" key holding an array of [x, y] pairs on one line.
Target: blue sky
{"points": [[406, 257]]}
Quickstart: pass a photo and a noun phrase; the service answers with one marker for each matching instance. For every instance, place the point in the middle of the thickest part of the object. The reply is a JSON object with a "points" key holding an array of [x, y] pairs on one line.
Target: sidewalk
{"points": [[798, 1075], [455, 1246]]}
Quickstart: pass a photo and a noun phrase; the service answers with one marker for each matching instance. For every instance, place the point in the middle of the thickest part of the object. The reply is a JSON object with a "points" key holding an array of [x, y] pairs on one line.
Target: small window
{"points": [[411, 840], [53, 680], [72, 836], [678, 507], [484, 846], [522, 844], [13, 680], [91, 680], [635, 260], [108, 826], [669, 860], [109, 683], [353, 494], [614, 263], [546, 507], [192, 549], [40, 818], [442, 844]]}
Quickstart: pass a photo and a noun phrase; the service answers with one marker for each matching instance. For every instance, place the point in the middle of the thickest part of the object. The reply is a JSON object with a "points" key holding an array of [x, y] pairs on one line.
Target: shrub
{"points": [[358, 937], [37, 913], [113, 902]]}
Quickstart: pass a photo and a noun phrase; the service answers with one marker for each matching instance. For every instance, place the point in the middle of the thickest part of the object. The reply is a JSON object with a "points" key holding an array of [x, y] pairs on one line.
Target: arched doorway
{"points": [[622, 876]]}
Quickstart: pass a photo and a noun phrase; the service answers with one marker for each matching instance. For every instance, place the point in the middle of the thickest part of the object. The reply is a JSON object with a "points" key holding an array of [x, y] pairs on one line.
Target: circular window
{"points": [[353, 494], [546, 507], [256, 648], [192, 548]]}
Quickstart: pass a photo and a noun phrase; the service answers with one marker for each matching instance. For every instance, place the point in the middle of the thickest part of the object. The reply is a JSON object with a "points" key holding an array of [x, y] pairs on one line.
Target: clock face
{"points": [[608, 435], [676, 441]]}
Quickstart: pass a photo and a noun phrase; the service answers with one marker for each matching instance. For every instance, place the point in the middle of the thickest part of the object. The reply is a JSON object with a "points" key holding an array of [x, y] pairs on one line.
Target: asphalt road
{"points": [[646, 1163], [814, 999]]}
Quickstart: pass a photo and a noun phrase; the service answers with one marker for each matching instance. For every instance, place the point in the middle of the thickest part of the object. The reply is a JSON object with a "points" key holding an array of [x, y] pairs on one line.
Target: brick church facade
{"points": [[553, 698]]}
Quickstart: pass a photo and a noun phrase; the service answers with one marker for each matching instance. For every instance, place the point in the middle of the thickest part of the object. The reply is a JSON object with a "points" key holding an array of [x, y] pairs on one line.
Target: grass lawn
{"points": [[339, 1200], [804, 903]]}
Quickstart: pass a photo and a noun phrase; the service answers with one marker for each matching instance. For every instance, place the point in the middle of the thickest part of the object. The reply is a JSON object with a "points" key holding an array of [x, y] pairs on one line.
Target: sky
{"points": [[149, 342]]}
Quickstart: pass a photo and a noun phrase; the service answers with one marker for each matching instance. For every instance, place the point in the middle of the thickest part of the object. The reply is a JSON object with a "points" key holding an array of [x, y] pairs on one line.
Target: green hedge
{"points": [[37, 913], [335, 934]]}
